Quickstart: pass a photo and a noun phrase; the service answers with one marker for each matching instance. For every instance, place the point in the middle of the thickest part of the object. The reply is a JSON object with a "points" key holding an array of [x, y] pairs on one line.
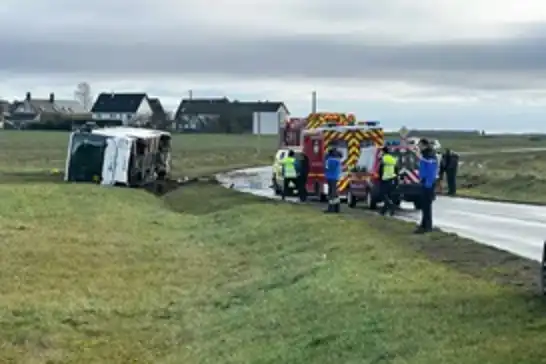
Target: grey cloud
{"points": [[516, 63], [360, 11]]}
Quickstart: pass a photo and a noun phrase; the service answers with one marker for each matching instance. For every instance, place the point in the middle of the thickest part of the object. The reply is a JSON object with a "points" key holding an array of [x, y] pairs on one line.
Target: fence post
{"points": [[543, 270]]}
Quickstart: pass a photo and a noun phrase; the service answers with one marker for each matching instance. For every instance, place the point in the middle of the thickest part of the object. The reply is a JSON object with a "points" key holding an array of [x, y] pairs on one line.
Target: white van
{"points": [[118, 156]]}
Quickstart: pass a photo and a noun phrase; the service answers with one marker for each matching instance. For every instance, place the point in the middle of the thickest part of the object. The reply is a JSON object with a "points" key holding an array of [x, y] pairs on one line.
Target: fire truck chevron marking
{"points": [[354, 142], [351, 161], [343, 183], [409, 176]]}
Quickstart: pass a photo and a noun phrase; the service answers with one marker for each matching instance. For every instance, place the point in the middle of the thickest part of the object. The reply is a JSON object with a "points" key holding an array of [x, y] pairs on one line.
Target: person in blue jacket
{"points": [[332, 172], [428, 172]]}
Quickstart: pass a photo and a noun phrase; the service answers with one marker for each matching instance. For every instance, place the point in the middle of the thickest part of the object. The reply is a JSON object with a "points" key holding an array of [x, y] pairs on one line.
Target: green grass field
{"points": [[208, 275], [505, 176]]}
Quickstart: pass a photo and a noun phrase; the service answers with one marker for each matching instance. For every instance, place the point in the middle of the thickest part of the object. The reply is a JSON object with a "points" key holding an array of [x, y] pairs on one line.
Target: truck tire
{"points": [[371, 201], [276, 187], [351, 200], [318, 192]]}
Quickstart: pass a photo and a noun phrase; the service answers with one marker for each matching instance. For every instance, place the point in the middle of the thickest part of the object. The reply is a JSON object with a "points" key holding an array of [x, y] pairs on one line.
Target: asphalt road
{"points": [[518, 229]]}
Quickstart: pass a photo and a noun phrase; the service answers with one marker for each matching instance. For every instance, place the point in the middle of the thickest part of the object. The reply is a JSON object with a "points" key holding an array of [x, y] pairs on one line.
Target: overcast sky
{"points": [[426, 63]]}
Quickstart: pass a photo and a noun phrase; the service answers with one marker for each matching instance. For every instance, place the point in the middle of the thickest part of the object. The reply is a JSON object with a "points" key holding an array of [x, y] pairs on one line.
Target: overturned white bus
{"points": [[123, 156]]}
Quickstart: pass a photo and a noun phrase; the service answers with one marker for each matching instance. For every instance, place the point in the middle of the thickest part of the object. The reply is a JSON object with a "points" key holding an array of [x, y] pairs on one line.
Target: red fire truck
{"points": [[347, 139], [291, 132], [364, 178]]}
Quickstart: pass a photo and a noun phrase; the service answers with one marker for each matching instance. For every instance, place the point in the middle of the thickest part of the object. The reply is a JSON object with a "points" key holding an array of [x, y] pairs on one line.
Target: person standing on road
{"points": [[428, 172], [333, 169], [388, 175], [303, 173], [449, 166], [289, 173]]}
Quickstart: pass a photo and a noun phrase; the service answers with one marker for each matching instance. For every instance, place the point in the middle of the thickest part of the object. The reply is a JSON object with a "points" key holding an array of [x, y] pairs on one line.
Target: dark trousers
{"points": [[427, 196], [451, 179], [333, 198], [286, 186], [302, 190], [386, 191]]}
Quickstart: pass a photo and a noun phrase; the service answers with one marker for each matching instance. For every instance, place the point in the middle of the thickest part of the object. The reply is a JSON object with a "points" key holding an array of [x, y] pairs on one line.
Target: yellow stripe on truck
{"points": [[342, 184]]}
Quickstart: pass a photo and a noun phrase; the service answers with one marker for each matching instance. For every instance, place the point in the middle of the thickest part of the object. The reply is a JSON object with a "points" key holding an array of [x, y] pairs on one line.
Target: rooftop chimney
{"points": [[52, 97], [28, 96]]}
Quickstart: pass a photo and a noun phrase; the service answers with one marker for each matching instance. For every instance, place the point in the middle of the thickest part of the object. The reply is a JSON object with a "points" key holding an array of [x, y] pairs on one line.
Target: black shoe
{"points": [[391, 212]]}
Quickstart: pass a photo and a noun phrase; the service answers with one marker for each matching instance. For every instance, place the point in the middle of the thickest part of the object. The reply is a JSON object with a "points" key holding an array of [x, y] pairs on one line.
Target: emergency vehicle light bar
{"points": [[369, 123]]}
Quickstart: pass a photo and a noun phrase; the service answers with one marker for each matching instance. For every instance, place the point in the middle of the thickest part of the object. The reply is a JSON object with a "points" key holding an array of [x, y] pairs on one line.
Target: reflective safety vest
{"points": [[389, 167], [289, 165]]}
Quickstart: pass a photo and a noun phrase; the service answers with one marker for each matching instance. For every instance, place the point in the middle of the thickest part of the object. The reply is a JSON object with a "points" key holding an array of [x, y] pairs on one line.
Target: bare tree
{"points": [[83, 95]]}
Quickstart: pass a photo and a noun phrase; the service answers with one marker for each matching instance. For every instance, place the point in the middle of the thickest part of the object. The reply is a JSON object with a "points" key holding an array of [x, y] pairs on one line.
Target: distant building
{"points": [[4, 111], [130, 108], [160, 119], [33, 110], [226, 116], [267, 116]]}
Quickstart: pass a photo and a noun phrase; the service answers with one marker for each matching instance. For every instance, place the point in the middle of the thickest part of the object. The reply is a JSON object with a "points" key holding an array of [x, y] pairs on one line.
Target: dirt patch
{"points": [[162, 188], [480, 261]]}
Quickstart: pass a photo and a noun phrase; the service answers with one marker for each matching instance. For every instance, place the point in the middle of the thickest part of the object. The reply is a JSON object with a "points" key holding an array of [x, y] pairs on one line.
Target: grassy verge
{"points": [[208, 275], [519, 177]]}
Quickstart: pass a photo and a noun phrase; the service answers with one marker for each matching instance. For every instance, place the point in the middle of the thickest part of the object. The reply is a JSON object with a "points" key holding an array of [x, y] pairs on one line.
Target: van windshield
{"points": [[407, 158], [341, 147], [86, 157]]}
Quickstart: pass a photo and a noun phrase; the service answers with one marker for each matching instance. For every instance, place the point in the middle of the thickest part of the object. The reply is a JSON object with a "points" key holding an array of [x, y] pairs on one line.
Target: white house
{"points": [[267, 116], [130, 108]]}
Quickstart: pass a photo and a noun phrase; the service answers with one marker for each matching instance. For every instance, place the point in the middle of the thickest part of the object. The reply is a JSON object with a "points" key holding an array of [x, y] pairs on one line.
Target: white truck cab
{"points": [[118, 156]]}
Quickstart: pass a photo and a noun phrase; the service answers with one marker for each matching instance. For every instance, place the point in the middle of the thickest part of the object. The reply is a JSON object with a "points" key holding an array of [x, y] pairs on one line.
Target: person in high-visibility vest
{"points": [[289, 173], [388, 174]]}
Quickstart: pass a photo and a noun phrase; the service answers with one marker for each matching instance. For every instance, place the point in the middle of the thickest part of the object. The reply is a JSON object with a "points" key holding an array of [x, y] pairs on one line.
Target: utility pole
{"points": [[314, 102], [259, 126], [190, 94]]}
